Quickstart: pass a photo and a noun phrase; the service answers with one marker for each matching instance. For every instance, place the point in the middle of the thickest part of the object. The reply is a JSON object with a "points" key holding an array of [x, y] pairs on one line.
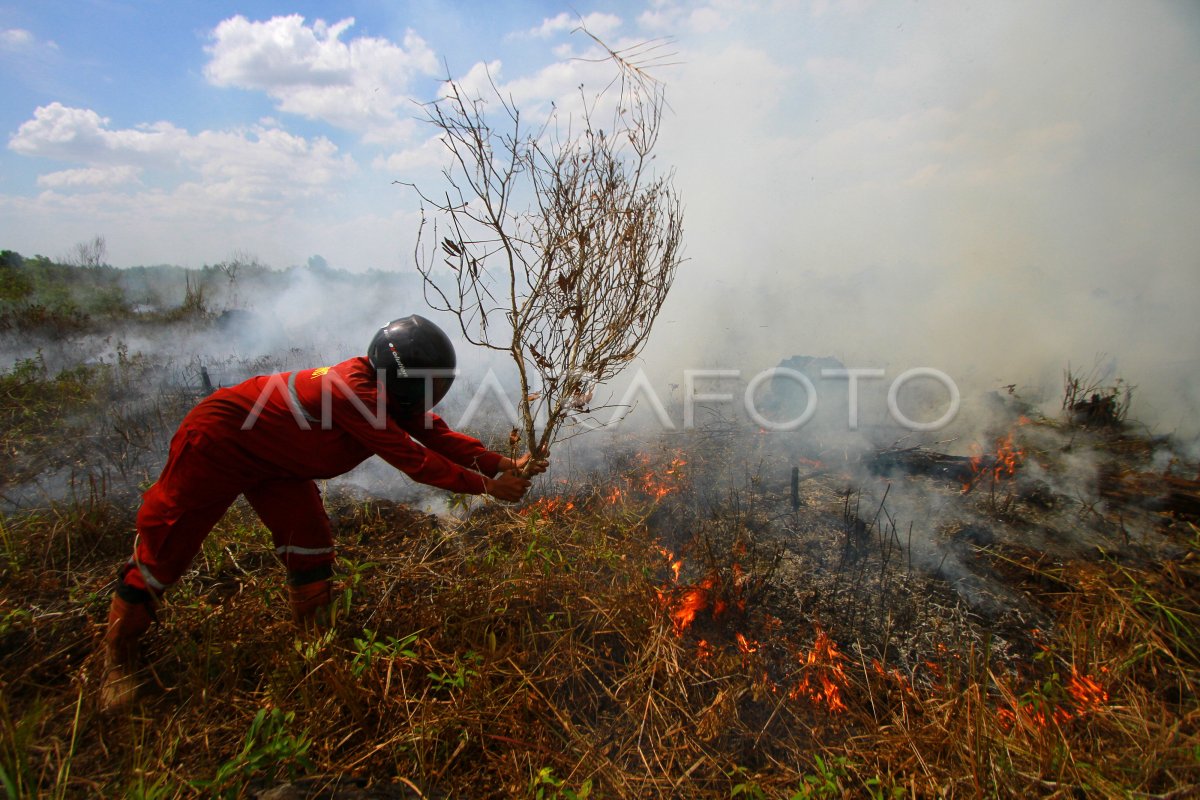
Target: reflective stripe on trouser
{"points": [[193, 494], [169, 536], [295, 516]]}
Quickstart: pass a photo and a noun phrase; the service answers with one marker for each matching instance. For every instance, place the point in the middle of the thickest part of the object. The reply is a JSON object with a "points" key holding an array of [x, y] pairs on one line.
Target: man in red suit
{"points": [[269, 439]]}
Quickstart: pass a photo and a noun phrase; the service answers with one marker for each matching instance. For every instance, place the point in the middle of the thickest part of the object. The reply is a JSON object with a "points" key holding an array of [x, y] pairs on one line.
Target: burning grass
{"points": [[649, 631], [622, 640]]}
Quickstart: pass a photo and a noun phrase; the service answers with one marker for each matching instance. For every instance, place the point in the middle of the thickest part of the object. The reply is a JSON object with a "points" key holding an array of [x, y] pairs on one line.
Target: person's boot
{"points": [[127, 621], [311, 604]]}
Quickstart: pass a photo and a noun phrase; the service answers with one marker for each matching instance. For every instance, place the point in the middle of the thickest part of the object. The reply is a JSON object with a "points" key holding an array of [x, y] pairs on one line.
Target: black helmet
{"points": [[417, 357]]}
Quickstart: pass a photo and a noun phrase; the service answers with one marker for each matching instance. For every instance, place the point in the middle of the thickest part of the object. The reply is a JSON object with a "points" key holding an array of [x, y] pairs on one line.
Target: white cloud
{"points": [[19, 40], [597, 23], [15, 38], [361, 84], [275, 161], [833, 71], [80, 134], [671, 17], [400, 165], [265, 164], [478, 80], [90, 177], [850, 7], [707, 20], [656, 21], [555, 85]]}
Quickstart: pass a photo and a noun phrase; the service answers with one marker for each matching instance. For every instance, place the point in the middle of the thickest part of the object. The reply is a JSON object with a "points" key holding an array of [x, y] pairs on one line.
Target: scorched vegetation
{"points": [[716, 613]]}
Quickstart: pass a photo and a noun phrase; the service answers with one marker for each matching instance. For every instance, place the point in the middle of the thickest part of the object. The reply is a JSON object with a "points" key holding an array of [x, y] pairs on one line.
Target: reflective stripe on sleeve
{"points": [[295, 399], [150, 580]]}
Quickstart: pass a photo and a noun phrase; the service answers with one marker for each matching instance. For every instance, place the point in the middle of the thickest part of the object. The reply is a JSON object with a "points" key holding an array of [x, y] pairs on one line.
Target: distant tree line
{"points": [[80, 291], [39, 292]]}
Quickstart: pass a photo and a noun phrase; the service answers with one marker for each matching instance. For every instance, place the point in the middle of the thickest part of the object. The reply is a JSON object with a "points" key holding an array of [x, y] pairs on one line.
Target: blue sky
{"points": [[870, 179], [101, 75]]}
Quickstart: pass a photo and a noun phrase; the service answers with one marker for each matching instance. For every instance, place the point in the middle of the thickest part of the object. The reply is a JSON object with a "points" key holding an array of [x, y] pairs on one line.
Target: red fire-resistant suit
{"points": [[269, 438]]}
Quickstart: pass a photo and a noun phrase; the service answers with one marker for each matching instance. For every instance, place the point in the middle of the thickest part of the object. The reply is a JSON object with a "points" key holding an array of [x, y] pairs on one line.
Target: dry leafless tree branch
{"points": [[556, 243]]}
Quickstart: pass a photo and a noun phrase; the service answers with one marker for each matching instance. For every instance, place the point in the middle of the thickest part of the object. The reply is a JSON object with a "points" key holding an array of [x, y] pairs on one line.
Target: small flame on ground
{"points": [[549, 505], [821, 679], [659, 487], [823, 661], [703, 596], [1041, 715], [895, 675], [1004, 462], [693, 600], [648, 479], [1087, 692], [676, 563]]}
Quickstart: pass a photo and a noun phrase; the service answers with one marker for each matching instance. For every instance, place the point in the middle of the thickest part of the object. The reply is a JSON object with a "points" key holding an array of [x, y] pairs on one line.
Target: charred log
{"points": [[920, 461], [1164, 493]]}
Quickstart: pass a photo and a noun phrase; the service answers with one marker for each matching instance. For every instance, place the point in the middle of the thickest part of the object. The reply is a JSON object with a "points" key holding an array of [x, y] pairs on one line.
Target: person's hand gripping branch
{"points": [[515, 474]]}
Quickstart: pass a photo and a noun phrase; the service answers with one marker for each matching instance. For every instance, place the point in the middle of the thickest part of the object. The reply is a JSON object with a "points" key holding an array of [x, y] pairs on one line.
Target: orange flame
{"points": [[1088, 694], [657, 482], [652, 486], [1040, 714], [545, 506], [823, 661], [693, 600], [676, 564], [1007, 458], [895, 675]]}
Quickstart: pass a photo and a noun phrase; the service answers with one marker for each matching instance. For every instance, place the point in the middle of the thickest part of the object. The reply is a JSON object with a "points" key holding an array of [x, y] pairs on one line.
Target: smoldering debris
{"points": [[871, 531]]}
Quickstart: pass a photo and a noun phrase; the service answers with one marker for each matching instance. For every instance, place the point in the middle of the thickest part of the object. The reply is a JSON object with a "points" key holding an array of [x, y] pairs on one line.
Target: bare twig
{"points": [[554, 243]]}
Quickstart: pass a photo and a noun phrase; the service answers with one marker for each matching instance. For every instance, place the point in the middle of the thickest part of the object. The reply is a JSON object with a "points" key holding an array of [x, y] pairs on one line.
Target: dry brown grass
{"points": [[539, 652]]}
